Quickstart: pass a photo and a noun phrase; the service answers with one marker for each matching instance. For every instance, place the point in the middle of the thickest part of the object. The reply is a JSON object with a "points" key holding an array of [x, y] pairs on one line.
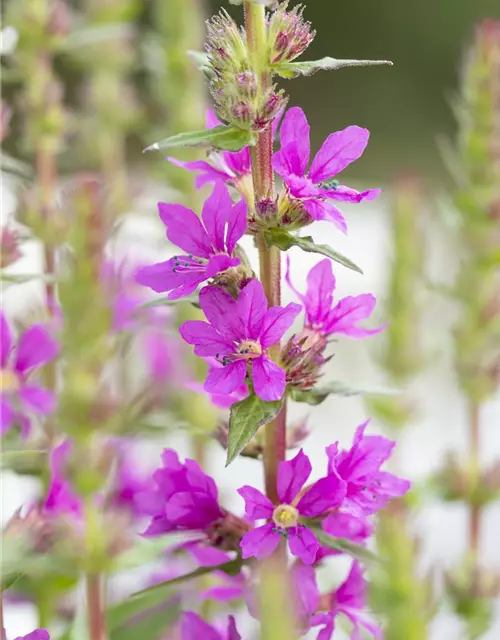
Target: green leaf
{"points": [[294, 69], [166, 302], [318, 394], [245, 420], [151, 624], [222, 137], [284, 241], [202, 62], [340, 544]]}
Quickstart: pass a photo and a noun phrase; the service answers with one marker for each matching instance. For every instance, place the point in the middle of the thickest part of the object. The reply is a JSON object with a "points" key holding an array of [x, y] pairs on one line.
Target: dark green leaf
{"points": [[284, 241], [318, 394], [166, 302], [245, 420], [340, 544], [293, 69], [221, 137]]}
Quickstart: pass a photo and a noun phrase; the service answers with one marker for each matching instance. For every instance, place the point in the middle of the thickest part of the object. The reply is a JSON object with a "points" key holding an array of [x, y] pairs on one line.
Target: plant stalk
{"points": [[475, 509], [95, 607]]}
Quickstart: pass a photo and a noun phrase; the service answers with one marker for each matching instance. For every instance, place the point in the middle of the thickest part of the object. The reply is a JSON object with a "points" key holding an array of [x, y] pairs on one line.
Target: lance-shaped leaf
{"points": [[357, 551], [294, 69], [318, 394], [245, 420], [226, 138], [284, 241]]}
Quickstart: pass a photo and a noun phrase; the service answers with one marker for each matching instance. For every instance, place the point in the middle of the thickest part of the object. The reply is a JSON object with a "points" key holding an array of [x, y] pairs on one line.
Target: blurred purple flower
{"points": [[209, 245], [238, 334], [368, 488], [37, 634], [61, 498], [325, 318], [19, 398], [193, 627], [129, 482], [314, 189], [323, 495], [349, 600], [220, 400]]}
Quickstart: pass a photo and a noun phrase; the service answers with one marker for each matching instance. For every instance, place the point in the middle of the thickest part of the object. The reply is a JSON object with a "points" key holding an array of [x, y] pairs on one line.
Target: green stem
{"points": [[475, 510]]}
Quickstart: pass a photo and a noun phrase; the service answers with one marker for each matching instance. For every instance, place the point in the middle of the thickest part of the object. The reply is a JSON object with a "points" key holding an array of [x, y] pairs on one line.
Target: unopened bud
{"points": [[289, 34]]}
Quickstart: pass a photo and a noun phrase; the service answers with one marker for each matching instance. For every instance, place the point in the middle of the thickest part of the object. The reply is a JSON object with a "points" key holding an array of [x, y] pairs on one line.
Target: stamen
{"points": [[188, 264]]}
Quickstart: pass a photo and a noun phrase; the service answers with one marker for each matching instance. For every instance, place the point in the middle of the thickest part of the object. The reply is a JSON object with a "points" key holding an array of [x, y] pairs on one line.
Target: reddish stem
{"points": [[95, 608]]}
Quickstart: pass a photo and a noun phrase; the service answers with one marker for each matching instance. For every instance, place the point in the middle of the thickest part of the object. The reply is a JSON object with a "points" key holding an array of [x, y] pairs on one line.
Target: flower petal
{"points": [[237, 225], [216, 211], [305, 589], [222, 312], [346, 194], [226, 379], [192, 627], [259, 542], [35, 348], [257, 505], [252, 307], [207, 341], [340, 524], [320, 290], [327, 619], [185, 230], [232, 632], [38, 399], [352, 592], [5, 340], [162, 276], [292, 475], [269, 380], [277, 321], [211, 119], [337, 152], [303, 544], [208, 172], [320, 209], [6, 414], [294, 154], [345, 315], [324, 494]]}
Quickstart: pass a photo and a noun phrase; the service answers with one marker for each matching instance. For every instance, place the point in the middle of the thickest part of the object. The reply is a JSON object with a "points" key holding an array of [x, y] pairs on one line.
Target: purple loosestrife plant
{"points": [[192, 626]]}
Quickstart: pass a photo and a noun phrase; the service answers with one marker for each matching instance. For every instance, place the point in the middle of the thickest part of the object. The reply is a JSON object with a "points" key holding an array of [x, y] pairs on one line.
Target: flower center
{"points": [[9, 381], [286, 516], [248, 350]]}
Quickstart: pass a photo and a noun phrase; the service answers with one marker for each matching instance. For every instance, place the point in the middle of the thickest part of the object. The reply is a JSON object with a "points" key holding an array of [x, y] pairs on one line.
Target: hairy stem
{"points": [[475, 510], [95, 607]]}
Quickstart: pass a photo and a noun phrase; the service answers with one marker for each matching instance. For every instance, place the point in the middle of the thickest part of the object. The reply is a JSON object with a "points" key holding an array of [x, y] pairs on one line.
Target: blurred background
{"points": [[114, 78]]}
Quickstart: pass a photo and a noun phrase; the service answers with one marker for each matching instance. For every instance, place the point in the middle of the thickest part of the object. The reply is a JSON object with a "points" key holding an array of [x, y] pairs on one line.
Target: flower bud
{"points": [[303, 360], [289, 34], [9, 247]]}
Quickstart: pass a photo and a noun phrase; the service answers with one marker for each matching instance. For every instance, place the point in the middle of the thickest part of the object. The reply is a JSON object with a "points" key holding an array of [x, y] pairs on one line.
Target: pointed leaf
{"points": [[357, 551], [285, 241], [221, 137], [318, 394], [245, 420], [294, 69]]}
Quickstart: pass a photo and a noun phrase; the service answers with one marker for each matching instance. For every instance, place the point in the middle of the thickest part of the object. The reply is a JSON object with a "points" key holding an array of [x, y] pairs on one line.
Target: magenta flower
{"points": [[37, 634], [315, 189], [230, 167], [323, 495], [61, 498], [209, 244], [19, 397], [368, 488], [325, 318], [349, 600], [194, 627], [184, 498], [238, 334]]}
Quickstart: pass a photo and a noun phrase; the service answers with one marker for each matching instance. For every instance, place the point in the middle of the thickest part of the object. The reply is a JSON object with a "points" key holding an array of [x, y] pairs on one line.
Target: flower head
{"points": [[18, 396], [349, 600], [284, 518], [192, 626], [368, 488], [238, 333], [209, 244], [323, 318], [310, 192]]}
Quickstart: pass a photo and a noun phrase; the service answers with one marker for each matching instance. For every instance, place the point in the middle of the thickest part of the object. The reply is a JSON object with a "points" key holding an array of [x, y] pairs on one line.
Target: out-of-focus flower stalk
{"points": [[477, 200], [399, 594]]}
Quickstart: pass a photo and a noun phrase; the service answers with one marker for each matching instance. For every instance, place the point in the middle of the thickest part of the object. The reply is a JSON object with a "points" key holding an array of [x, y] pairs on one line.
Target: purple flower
{"points": [[238, 334], [193, 627], [61, 498], [184, 498], [323, 495], [209, 244], [129, 482], [325, 318], [314, 189], [368, 488], [230, 167], [37, 634], [349, 600], [18, 397]]}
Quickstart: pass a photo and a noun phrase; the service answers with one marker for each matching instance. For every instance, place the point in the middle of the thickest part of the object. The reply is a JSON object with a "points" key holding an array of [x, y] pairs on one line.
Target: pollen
{"points": [[286, 516], [249, 350], [8, 381]]}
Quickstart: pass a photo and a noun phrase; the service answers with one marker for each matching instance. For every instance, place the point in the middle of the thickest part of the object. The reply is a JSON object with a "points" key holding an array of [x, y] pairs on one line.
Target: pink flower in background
{"points": [[349, 600], [19, 397], [129, 481], [368, 488], [160, 355], [37, 634], [228, 166], [323, 495], [194, 628], [61, 498], [325, 318], [209, 244], [238, 334], [183, 498], [315, 188], [220, 400]]}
